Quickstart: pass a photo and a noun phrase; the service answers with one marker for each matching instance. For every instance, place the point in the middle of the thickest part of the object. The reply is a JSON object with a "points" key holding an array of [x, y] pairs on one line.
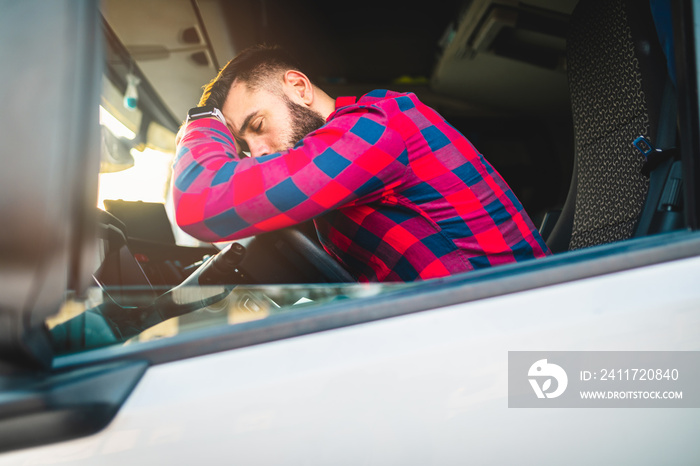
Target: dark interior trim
{"points": [[689, 120], [37, 408]]}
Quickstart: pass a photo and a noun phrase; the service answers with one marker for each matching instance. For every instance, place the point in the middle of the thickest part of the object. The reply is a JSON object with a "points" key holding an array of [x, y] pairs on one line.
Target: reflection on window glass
{"points": [[120, 315]]}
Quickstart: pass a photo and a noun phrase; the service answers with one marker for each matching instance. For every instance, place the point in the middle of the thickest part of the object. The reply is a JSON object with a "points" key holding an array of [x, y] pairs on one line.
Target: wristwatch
{"points": [[207, 111]]}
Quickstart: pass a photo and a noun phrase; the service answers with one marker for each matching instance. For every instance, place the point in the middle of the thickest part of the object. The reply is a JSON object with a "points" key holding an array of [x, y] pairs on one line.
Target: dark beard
{"points": [[304, 121]]}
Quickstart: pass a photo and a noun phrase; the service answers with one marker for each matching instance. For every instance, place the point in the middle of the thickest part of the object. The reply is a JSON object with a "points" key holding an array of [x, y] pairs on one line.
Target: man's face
{"points": [[264, 122]]}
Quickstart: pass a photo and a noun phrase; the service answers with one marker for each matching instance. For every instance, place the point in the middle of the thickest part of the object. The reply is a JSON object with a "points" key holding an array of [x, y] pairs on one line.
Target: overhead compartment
{"points": [[508, 55]]}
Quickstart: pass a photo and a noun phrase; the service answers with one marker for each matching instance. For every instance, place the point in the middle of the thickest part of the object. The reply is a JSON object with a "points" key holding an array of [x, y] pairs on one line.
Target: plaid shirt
{"points": [[396, 193]]}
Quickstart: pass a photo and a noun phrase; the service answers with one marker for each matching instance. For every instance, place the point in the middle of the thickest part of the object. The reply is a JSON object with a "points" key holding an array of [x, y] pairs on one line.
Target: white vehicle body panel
{"points": [[424, 388]]}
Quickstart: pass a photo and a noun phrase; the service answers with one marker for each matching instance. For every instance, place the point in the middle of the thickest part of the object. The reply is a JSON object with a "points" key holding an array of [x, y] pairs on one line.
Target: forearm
{"points": [[219, 197], [205, 151]]}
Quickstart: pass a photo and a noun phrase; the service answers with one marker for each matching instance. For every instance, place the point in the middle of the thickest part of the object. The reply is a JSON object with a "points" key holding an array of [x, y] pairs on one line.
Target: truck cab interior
{"points": [[574, 105], [588, 108]]}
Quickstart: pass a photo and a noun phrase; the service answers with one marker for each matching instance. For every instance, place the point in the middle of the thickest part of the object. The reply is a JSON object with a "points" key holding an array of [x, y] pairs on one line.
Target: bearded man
{"points": [[395, 192]]}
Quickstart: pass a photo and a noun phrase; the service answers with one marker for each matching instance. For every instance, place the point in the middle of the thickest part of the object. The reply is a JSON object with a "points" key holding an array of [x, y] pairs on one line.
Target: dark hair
{"points": [[255, 66]]}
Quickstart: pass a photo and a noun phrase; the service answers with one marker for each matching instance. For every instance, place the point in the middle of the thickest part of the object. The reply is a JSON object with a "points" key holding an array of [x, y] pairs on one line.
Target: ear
{"points": [[299, 86]]}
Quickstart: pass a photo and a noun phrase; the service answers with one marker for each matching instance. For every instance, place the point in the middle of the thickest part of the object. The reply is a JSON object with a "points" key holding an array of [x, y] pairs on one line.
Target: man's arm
{"points": [[219, 197]]}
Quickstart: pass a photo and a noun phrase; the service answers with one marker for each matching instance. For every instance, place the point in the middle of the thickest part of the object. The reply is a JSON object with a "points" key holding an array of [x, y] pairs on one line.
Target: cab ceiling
{"points": [[180, 44]]}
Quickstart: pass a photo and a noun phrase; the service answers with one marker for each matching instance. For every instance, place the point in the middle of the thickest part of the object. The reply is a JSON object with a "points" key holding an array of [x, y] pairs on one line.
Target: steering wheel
{"points": [[278, 257]]}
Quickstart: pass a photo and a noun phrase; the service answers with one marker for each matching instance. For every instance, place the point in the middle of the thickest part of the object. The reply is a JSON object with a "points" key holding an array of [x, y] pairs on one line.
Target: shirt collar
{"points": [[344, 101]]}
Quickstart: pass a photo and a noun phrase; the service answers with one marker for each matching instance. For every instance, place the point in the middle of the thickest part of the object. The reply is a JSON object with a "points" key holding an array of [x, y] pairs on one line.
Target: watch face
{"points": [[204, 112]]}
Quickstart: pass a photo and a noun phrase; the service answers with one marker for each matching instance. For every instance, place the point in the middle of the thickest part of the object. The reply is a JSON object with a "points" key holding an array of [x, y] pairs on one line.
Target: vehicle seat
{"points": [[617, 73]]}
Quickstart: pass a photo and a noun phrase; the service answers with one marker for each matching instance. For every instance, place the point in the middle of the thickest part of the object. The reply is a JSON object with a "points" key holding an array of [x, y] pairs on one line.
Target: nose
{"points": [[258, 148]]}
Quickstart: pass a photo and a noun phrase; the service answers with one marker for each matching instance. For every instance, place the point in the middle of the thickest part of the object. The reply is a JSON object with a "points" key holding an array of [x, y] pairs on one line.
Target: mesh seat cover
{"points": [[609, 111]]}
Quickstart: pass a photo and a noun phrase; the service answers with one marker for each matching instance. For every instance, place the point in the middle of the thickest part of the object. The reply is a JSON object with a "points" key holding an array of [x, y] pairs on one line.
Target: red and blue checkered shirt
{"points": [[396, 193]]}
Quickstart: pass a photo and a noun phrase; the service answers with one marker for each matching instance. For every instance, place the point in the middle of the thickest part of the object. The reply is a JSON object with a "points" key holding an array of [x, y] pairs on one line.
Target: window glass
{"points": [[131, 315]]}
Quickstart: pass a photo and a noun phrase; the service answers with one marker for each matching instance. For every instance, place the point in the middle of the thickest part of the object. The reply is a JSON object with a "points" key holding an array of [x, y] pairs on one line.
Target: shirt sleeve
{"points": [[354, 158]]}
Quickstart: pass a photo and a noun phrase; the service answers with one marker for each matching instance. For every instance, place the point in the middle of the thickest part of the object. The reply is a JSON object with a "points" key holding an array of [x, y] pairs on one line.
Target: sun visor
{"points": [[50, 79]]}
